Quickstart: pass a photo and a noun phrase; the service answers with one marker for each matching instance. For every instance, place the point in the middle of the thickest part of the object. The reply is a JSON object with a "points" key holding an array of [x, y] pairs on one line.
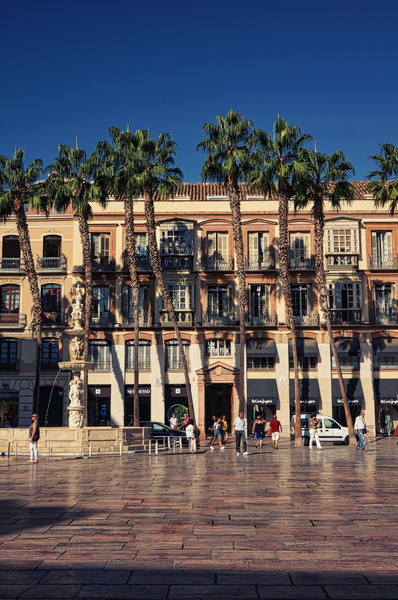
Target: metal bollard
{"points": [[89, 450], [120, 448], [8, 449]]}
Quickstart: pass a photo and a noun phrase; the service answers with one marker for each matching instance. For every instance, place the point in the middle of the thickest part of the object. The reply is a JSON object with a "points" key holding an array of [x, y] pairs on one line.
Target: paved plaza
{"points": [[285, 524]]}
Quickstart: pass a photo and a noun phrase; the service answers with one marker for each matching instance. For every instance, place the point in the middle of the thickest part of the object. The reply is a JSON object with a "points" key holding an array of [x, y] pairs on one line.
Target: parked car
{"points": [[329, 430], [160, 430]]}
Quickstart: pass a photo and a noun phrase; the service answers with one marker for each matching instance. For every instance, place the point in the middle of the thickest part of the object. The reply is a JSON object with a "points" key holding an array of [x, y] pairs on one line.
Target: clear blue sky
{"points": [[77, 67]]}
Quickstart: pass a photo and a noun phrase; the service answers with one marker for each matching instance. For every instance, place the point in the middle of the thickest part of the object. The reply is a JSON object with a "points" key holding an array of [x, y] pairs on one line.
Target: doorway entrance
{"points": [[218, 402], [51, 406]]}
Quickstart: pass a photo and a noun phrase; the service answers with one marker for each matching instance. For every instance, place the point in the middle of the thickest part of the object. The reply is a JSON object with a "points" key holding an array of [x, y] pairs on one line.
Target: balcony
{"points": [[12, 264], [184, 317], [142, 261], [143, 365], [49, 366], [105, 320], [102, 365], [174, 262], [12, 321], [301, 264], [380, 263], [145, 320], [306, 318], [214, 263], [342, 261], [384, 316], [217, 320], [261, 263], [270, 319], [176, 365], [9, 366], [103, 263], [47, 263], [345, 316]]}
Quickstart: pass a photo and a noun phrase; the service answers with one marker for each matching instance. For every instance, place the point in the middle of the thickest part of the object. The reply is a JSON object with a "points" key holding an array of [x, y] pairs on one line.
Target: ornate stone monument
{"points": [[77, 365]]}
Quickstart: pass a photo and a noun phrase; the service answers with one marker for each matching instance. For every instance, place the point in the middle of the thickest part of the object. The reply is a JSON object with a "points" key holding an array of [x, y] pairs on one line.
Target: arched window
{"points": [[9, 298], [51, 302]]}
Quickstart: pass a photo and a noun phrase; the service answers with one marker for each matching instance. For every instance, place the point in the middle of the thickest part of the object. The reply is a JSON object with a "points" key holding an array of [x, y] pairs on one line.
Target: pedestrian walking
{"points": [[34, 436], [314, 436], [258, 430], [173, 421], [275, 429], [218, 436], [360, 430], [239, 426], [224, 427], [191, 437]]}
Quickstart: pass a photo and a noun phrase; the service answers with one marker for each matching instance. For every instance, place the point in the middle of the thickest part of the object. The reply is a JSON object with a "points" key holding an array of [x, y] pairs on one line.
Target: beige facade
{"points": [[196, 246]]}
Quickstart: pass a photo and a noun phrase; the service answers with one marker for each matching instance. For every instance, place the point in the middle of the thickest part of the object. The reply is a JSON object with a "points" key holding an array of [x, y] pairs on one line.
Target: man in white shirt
{"points": [[239, 425], [360, 430], [173, 421]]}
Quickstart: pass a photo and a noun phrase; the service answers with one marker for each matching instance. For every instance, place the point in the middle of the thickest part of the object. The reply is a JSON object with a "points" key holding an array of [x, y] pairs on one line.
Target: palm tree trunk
{"points": [[284, 252], [135, 284], [88, 280], [26, 249], [158, 272], [319, 222], [234, 202]]}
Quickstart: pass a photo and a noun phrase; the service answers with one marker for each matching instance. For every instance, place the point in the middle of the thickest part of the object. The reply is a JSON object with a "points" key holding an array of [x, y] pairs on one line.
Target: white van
{"points": [[328, 429]]}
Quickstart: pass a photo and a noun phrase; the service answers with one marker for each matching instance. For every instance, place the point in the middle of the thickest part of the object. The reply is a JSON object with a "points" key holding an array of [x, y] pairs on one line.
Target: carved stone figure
{"points": [[77, 346], [76, 419], [76, 391]]}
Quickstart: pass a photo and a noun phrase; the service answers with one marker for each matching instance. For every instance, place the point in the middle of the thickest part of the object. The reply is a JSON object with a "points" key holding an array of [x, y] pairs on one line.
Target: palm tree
{"points": [[74, 180], [318, 177], [384, 186], [156, 177], [20, 187], [117, 168], [229, 148], [274, 175]]}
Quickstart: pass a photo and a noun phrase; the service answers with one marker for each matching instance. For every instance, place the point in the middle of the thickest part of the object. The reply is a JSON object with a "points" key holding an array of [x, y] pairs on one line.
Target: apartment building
{"points": [[196, 247]]}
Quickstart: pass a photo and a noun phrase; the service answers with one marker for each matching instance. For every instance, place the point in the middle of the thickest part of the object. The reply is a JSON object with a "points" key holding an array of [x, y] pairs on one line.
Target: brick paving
{"points": [[275, 525]]}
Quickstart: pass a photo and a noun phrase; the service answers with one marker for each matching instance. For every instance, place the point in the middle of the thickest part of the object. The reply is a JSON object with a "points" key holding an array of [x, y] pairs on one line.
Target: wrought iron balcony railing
{"points": [[184, 317], [143, 365], [384, 316], [218, 320], [11, 320], [214, 263], [383, 262], [49, 366], [103, 263], [175, 262], [58, 262], [105, 320], [261, 263], [345, 315], [307, 318], [12, 264], [176, 365], [11, 366], [102, 365], [270, 319], [145, 320], [301, 263]]}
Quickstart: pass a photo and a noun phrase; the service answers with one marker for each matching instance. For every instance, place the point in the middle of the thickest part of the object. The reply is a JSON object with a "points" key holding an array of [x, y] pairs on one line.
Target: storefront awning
{"points": [[309, 392], [260, 347], [386, 391], [353, 388], [262, 391], [383, 345], [347, 346], [305, 347]]}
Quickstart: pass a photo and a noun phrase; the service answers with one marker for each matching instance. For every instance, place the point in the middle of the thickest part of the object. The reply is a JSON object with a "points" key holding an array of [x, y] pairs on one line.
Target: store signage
{"points": [[140, 343], [262, 400], [388, 401], [175, 342], [350, 401]]}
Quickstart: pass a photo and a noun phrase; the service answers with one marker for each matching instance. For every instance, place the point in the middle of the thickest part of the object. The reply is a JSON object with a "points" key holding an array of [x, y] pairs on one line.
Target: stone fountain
{"points": [[77, 364]]}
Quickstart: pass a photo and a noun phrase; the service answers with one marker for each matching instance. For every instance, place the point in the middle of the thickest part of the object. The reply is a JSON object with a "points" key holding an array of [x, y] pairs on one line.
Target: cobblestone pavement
{"points": [[285, 524]]}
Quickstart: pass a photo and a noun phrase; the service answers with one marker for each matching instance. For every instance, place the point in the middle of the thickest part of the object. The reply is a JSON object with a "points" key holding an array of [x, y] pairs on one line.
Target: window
{"points": [[128, 305], [382, 250], [217, 250], [100, 245], [49, 354], [342, 240], [8, 354], [144, 355], [345, 301], [300, 300], [259, 304], [258, 250], [99, 352], [52, 246], [176, 238], [300, 250], [385, 361], [141, 244], [100, 311], [173, 357], [9, 299], [11, 252], [51, 303], [261, 363], [181, 295], [218, 347], [347, 362], [220, 305], [306, 363], [385, 311]]}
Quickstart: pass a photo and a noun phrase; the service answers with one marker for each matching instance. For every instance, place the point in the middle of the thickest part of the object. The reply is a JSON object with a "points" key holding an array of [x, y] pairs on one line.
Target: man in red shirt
{"points": [[275, 429]]}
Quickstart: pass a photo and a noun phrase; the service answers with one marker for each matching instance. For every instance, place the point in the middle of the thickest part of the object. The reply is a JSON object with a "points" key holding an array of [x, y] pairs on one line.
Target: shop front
{"points": [[144, 399], [9, 406], [99, 406], [386, 396], [353, 388], [309, 393], [176, 401], [262, 399]]}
